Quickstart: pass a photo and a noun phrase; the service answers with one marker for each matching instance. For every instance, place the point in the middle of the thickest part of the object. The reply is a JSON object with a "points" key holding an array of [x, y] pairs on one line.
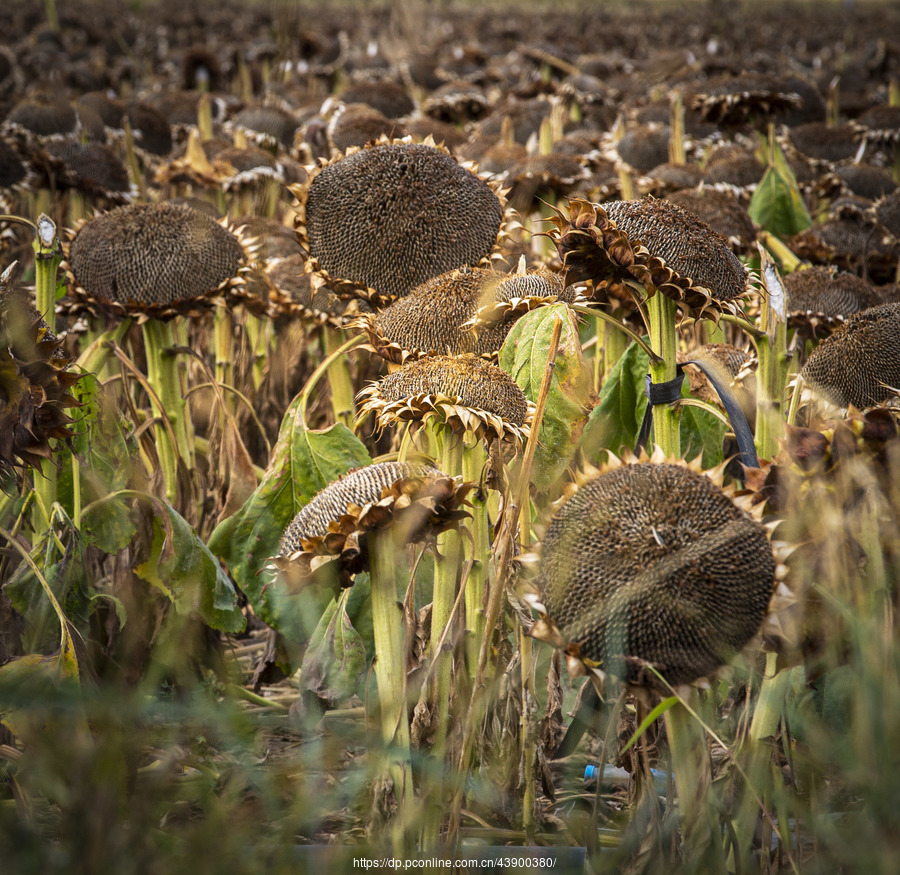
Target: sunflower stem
{"points": [[339, 379], [390, 675], [664, 342], [162, 375], [690, 766], [473, 462], [446, 571], [758, 772], [223, 340]]}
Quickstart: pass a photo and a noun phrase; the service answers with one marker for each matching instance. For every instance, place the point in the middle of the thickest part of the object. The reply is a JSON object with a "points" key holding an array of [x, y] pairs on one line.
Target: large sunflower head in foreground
{"points": [[651, 567]]}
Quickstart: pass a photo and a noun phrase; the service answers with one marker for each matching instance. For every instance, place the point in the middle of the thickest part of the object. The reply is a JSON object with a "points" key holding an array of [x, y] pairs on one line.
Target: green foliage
{"points": [[615, 422], [777, 205], [182, 567], [103, 447], [60, 559], [303, 462], [335, 659], [524, 355]]}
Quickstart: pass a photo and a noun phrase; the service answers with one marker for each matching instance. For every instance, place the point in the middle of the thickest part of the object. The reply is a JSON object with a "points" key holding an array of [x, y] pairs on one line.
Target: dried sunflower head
{"points": [[419, 500], [463, 393], [731, 101], [438, 317], [656, 244], [381, 220], [153, 261], [652, 565], [859, 363], [294, 296], [34, 381]]}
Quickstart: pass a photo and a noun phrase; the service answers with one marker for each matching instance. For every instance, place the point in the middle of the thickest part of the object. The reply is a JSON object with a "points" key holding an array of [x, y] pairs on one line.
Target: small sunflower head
{"points": [[34, 382], [653, 243], [153, 261], [420, 501], [381, 220], [463, 393], [651, 565]]}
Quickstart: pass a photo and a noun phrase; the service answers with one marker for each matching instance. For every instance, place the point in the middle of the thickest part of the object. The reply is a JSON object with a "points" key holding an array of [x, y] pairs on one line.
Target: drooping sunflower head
{"points": [[153, 260], [859, 363], [441, 316], [655, 244], [652, 567], [420, 501], [381, 220], [464, 393], [34, 381]]}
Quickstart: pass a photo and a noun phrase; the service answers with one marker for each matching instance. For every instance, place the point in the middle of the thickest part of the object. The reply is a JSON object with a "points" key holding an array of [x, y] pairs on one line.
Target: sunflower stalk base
{"points": [[701, 846], [390, 675]]}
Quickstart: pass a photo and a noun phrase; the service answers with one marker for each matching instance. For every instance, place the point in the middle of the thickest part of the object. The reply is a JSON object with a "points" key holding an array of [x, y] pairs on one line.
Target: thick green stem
{"points": [[339, 379], [257, 333], [390, 675], [223, 340], [162, 374], [664, 342], [446, 572], [473, 462]]}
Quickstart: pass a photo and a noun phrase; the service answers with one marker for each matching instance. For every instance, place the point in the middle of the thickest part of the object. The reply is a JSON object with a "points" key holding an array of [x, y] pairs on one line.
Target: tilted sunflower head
{"points": [[381, 220], [419, 500], [442, 315], [153, 261], [859, 363], [651, 567], [463, 393], [34, 381], [655, 244]]}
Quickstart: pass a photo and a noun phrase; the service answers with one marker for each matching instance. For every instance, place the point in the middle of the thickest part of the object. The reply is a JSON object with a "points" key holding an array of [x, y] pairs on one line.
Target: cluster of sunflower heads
{"points": [[35, 383]]}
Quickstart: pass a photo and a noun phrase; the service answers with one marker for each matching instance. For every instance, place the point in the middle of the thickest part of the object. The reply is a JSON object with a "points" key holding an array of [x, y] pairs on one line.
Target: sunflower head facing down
{"points": [[418, 501], [651, 570], [463, 393], [653, 245]]}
